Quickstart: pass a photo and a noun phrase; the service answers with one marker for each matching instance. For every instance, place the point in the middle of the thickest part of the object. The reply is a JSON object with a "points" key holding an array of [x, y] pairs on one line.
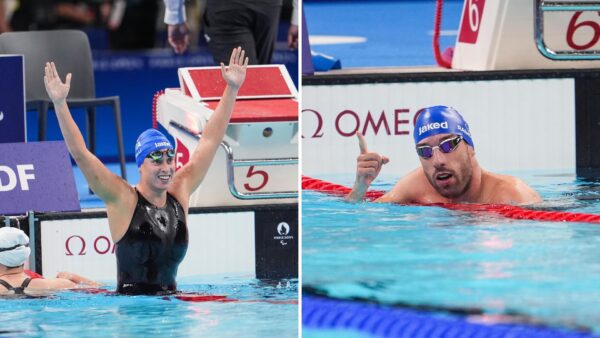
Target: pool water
{"points": [[532, 271], [395, 32], [262, 309]]}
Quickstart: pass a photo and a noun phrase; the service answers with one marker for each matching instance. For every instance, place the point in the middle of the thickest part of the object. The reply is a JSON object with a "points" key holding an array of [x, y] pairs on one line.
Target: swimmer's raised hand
{"points": [[235, 73], [56, 89], [368, 164]]}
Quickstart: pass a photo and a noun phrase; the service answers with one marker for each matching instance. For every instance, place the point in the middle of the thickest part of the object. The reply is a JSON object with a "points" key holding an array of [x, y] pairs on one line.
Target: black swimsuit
{"points": [[149, 253], [19, 290]]}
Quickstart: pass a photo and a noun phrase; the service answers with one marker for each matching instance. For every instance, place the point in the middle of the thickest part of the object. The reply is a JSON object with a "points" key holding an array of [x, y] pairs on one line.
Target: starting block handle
{"points": [[231, 163], [32, 239], [541, 6]]}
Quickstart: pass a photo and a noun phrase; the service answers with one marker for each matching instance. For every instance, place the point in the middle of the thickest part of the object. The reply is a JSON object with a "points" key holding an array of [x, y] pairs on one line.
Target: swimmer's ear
{"points": [[471, 151]]}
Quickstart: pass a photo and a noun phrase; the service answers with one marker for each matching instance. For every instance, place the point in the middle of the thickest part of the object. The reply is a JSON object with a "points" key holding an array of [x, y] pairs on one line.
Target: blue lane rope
{"points": [[384, 321]]}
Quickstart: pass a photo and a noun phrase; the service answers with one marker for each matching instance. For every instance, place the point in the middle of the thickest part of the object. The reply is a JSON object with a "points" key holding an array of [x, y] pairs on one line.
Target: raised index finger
{"points": [[362, 143]]}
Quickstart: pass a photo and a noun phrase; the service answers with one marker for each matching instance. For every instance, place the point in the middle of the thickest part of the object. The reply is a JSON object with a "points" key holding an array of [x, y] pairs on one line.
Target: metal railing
{"points": [[232, 163], [541, 6]]}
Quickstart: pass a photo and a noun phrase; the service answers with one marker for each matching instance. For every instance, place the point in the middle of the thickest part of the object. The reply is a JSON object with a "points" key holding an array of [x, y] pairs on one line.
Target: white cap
{"points": [[14, 247]]}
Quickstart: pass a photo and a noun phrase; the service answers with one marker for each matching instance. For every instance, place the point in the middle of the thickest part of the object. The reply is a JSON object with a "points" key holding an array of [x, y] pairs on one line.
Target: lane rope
{"points": [[508, 211], [379, 320], [443, 60]]}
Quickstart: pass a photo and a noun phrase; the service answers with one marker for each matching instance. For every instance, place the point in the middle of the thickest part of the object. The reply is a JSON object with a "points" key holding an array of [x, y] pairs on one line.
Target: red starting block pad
{"points": [[259, 163], [262, 82], [272, 110]]}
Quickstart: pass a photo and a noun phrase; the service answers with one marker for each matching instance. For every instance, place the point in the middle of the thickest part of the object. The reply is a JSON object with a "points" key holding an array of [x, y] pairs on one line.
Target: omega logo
{"points": [[76, 245], [347, 122]]}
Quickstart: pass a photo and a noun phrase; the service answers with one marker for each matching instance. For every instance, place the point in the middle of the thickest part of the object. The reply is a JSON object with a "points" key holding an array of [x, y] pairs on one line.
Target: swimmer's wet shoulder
{"points": [[506, 189]]}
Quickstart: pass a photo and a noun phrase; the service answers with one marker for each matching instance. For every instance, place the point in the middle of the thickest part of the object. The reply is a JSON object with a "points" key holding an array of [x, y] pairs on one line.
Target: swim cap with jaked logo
{"points": [[149, 141], [436, 120]]}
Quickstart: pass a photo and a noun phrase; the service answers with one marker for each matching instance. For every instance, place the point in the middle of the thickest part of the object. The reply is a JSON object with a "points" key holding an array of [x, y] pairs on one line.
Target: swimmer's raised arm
{"points": [[108, 186], [189, 177], [368, 166]]}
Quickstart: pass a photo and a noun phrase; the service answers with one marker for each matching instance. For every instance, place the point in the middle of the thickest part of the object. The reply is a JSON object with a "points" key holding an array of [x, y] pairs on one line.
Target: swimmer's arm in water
{"points": [[63, 281], [189, 177], [77, 279], [108, 186], [368, 166], [51, 284]]}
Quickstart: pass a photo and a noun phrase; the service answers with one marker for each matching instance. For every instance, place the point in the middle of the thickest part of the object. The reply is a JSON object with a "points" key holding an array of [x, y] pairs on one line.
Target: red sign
{"points": [[471, 21], [182, 156]]}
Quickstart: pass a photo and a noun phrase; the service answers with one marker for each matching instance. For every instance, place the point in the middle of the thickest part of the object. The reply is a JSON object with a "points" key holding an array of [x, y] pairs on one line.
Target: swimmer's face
{"points": [[158, 171], [449, 173]]}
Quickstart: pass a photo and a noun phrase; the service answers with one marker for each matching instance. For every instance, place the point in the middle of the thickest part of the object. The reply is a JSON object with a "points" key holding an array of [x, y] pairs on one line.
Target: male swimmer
{"points": [[148, 221], [449, 171], [14, 252]]}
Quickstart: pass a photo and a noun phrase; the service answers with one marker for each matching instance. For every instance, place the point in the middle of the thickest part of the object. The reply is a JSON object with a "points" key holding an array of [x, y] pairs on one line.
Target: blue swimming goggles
{"points": [[158, 156], [446, 146]]}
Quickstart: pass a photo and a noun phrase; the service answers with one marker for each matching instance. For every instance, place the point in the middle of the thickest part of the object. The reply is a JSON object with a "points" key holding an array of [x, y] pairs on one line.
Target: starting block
{"points": [[257, 162], [528, 34]]}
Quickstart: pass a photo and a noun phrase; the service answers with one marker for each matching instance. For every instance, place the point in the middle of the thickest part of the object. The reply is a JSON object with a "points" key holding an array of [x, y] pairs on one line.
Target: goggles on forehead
{"points": [[158, 156], [446, 146]]}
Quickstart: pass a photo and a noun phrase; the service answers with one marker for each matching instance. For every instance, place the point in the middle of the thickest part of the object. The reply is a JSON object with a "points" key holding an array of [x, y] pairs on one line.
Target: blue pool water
{"points": [[396, 33], [533, 271], [262, 310]]}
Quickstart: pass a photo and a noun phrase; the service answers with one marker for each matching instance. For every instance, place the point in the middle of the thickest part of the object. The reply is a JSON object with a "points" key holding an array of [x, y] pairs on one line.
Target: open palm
{"points": [[235, 73], [56, 89]]}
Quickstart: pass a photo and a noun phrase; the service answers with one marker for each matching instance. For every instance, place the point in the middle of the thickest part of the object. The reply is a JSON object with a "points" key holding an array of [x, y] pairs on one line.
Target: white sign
{"points": [[82, 246], [219, 244], [515, 124]]}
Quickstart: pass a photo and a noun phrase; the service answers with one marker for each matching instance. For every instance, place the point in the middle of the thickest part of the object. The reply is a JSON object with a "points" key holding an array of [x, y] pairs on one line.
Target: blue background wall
{"points": [[136, 77]]}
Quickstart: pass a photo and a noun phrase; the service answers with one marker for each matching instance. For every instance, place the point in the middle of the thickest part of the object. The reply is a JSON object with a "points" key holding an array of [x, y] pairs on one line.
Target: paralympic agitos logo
{"points": [[283, 229]]}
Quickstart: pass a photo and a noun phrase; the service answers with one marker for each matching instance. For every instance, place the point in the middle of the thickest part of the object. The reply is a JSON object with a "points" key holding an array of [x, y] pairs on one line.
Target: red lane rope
{"points": [[441, 61], [32, 274], [203, 298], [154, 107], [508, 211]]}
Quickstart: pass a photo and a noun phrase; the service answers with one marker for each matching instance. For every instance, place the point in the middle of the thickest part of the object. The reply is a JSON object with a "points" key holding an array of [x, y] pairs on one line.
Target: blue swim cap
{"points": [[148, 141], [440, 120]]}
